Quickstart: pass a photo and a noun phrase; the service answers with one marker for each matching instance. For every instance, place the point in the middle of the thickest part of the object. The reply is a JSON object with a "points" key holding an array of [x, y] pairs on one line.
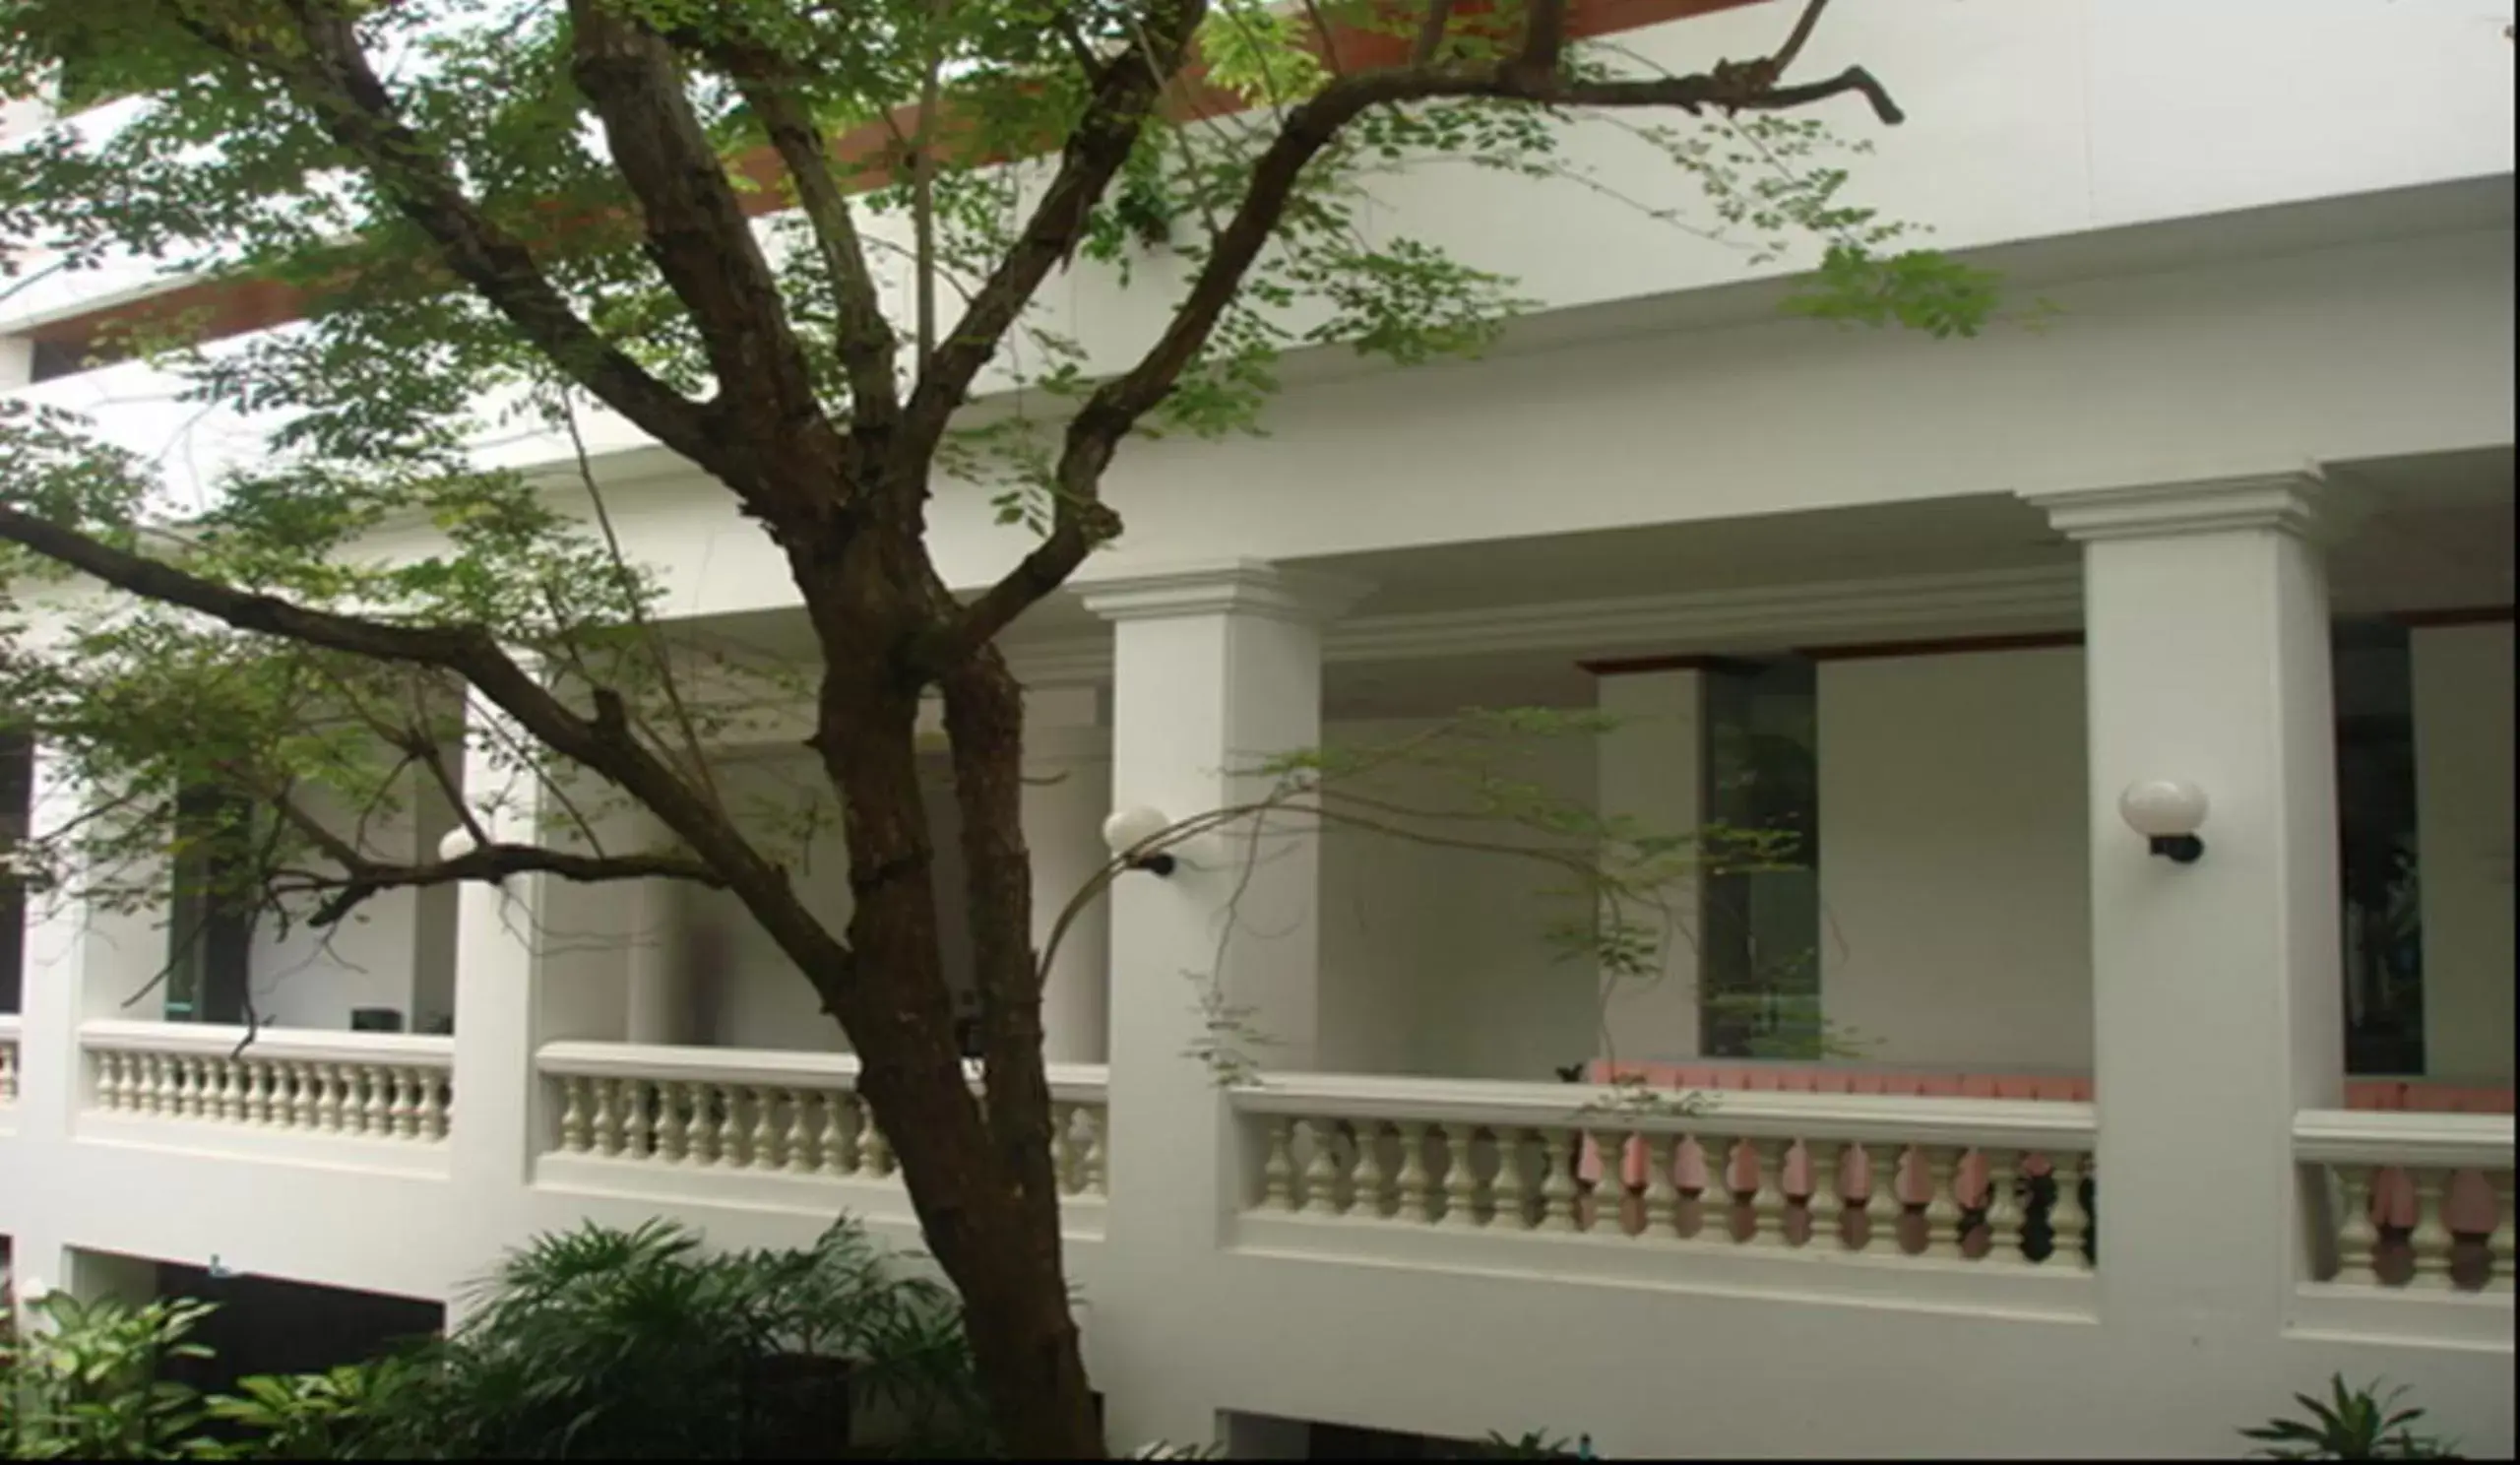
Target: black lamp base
{"points": [[2178, 849]]}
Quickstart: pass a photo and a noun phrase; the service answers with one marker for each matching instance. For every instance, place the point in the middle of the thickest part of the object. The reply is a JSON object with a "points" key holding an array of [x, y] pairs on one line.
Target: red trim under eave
{"points": [[237, 306]]}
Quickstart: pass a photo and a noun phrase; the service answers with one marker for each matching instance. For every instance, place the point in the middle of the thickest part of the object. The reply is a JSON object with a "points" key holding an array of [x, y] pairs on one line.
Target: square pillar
{"points": [[2463, 741], [493, 1133], [1651, 771], [1215, 670], [2215, 985]]}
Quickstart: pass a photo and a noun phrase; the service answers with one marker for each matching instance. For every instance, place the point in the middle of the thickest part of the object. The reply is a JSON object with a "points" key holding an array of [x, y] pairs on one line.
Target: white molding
{"points": [[2448, 1141], [2041, 598], [2010, 1123], [762, 1067], [311, 1044], [2300, 501], [1240, 587]]}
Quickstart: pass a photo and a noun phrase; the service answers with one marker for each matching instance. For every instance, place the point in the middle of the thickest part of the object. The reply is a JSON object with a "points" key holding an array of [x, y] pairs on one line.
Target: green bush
{"points": [[84, 1384], [2350, 1424]]}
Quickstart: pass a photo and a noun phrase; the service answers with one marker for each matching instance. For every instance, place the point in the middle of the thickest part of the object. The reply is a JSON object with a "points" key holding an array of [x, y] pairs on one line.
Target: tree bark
{"points": [[982, 1184]]}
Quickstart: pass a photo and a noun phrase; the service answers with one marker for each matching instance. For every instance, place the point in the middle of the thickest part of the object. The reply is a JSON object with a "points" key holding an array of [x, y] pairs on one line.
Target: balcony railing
{"points": [[1948, 1179], [767, 1113], [369, 1086], [8, 1059], [2425, 1200]]}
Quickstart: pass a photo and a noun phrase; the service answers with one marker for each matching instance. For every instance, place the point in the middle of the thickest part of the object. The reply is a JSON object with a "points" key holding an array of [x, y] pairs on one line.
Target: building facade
{"points": [[2237, 519]]}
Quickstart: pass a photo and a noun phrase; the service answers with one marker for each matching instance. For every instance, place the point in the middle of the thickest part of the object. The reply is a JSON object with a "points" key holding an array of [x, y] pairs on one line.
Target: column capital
{"points": [[2303, 501], [1246, 587]]}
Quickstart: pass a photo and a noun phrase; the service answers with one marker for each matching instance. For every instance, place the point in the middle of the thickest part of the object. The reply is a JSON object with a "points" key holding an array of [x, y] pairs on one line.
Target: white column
{"points": [[2463, 738], [494, 1135], [1213, 669], [1653, 770], [1067, 794], [2215, 985], [659, 989], [82, 964]]}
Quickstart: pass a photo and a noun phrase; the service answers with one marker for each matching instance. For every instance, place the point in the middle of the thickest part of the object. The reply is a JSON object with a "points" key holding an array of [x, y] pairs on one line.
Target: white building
{"points": [[2240, 518]]}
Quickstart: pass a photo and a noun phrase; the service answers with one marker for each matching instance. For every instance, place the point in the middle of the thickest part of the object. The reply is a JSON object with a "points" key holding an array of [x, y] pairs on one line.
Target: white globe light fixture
{"points": [[457, 843], [1128, 829], [2167, 814]]}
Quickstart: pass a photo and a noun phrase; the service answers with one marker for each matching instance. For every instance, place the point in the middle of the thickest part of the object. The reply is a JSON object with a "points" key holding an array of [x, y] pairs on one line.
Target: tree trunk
{"points": [[982, 1186]]}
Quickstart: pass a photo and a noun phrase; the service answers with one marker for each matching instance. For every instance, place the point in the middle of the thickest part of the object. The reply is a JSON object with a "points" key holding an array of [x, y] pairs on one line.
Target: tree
{"points": [[534, 209]]}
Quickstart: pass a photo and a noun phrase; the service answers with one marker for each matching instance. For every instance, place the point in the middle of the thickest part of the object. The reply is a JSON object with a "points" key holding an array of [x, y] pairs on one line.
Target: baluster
{"points": [[1417, 1183], [2357, 1240], [1767, 1203], [134, 1083], [258, 1093], [1513, 1188], [764, 1142], [438, 1105], [184, 1079], [204, 1087], [1098, 1152], [1278, 1170], [637, 1139], [703, 1130], [1942, 1202], [733, 1151], [800, 1133], [307, 1096], [2068, 1223], [675, 1111], [1661, 1193], [1321, 1167], [603, 1117], [406, 1112], [1881, 1204], [1717, 1197], [1461, 1179], [227, 1096], [1558, 1192], [2003, 1205], [380, 1102], [109, 1078], [2431, 1240], [155, 1087], [336, 1090], [573, 1114], [1373, 1178], [1067, 1156], [840, 1133], [2497, 1246], [873, 1148], [7, 1073], [1824, 1209]]}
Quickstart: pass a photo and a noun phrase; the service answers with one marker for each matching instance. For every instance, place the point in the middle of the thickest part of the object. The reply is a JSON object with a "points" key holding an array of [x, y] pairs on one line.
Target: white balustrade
{"points": [[1753, 1170], [380, 1086], [9, 1027], [763, 1112], [2419, 1202]]}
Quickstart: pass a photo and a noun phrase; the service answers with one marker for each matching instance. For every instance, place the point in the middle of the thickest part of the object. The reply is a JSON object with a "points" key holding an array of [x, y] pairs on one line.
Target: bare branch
{"points": [[495, 863]]}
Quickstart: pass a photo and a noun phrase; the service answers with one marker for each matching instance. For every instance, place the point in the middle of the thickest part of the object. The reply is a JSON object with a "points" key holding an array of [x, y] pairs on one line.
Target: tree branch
{"points": [[334, 78], [495, 863], [702, 242], [471, 652], [1081, 520], [1124, 97], [868, 349]]}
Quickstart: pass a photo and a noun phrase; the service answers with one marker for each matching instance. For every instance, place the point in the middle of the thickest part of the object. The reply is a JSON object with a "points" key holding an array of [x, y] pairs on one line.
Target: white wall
{"points": [[1435, 961], [1954, 857], [2462, 738]]}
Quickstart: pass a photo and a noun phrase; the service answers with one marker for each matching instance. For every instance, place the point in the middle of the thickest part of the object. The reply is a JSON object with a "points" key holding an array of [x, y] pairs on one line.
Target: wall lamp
{"points": [[1130, 828], [2167, 814]]}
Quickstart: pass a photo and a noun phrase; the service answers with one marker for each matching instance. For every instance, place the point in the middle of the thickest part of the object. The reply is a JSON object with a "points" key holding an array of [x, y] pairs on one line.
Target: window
{"points": [[2375, 808], [211, 928], [16, 799], [1759, 923]]}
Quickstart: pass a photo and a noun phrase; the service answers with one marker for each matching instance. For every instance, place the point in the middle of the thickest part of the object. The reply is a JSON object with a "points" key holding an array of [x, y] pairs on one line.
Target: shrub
{"points": [[2350, 1424]]}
